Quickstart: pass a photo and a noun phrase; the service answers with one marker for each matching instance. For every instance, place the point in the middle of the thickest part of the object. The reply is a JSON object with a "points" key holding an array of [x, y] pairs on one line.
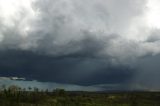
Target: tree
{"points": [[13, 88], [60, 92], [36, 89], [29, 88]]}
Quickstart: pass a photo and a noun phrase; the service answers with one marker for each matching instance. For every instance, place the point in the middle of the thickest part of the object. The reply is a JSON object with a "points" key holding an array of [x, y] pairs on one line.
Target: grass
{"points": [[14, 96]]}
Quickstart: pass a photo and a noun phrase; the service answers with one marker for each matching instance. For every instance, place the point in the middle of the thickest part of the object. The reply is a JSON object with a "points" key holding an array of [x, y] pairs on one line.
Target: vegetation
{"points": [[16, 96]]}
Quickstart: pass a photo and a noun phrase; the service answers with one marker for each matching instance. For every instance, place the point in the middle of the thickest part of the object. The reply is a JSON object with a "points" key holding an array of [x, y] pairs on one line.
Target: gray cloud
{"points": [[147, 74], [94, 41], [154, 36], [59, 27]]}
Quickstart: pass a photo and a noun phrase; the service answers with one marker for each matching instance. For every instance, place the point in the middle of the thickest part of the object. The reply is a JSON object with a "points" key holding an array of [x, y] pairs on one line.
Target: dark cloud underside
{"points": [[71, 69]]}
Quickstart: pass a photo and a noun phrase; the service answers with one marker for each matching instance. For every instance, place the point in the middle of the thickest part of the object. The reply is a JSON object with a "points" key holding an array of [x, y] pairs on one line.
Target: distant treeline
{"points": [[17, 96]]}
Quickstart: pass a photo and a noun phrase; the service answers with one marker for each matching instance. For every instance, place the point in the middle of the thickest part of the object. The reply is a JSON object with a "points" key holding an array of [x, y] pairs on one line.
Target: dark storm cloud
{"points": [[148, 72], [77, 41], [71, 69]]}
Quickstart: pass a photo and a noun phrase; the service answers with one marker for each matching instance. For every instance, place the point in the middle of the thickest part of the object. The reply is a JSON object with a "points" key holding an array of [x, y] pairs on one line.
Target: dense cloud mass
{"points": [[80, 41]]}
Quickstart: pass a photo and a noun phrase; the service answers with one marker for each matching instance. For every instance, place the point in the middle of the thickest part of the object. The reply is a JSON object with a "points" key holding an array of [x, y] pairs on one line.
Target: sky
{"points": [[81, 45]]}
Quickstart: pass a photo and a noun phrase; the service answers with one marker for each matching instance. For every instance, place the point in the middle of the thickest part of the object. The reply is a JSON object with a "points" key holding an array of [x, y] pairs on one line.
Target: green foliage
{"points": [[16, 96]]}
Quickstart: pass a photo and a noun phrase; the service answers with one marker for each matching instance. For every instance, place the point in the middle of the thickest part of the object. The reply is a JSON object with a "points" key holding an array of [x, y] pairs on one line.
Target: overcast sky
{"points": [[104, 43]]}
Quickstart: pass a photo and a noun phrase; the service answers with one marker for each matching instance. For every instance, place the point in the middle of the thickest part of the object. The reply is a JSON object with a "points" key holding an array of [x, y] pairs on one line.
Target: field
{"points": [[15, 96]]}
